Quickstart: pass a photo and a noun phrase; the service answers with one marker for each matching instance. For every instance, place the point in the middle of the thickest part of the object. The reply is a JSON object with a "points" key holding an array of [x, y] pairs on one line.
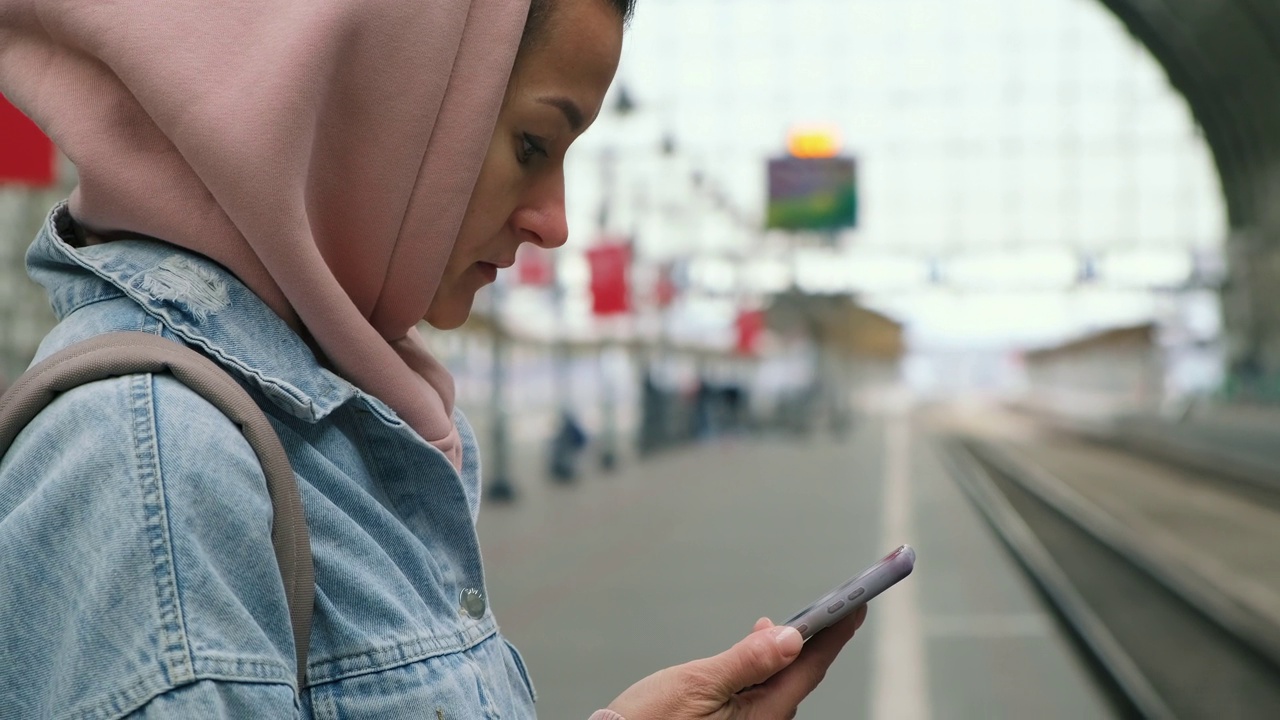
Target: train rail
{"points": [[1167, 581]]}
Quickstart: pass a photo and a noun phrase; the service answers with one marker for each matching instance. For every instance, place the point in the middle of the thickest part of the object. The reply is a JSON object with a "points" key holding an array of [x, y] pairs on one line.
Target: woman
{"points": [[289, 186]]}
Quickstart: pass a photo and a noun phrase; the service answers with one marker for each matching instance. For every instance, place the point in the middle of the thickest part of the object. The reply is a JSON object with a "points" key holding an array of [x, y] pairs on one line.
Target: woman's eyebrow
{"points": [[572, 112]]}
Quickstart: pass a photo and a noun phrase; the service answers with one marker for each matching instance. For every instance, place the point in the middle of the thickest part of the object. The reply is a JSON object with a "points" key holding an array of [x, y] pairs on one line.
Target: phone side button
{"points": [[835, 606], [803, 629], [857, 593]]}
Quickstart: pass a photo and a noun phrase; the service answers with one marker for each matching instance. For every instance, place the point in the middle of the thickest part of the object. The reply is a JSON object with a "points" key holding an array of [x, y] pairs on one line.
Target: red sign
{"points": [[750, 328], [26, 155], [534, 266], [610, 289], [665, 290]]}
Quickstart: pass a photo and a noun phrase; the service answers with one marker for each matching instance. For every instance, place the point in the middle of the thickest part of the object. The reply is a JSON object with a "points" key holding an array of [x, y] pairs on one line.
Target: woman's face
{"points": [[556, 89]]}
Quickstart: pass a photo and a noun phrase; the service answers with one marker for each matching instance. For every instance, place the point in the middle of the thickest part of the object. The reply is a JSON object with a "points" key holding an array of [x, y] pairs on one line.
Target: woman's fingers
{"points": [[784, 691], [755, 659], [772, 661]]}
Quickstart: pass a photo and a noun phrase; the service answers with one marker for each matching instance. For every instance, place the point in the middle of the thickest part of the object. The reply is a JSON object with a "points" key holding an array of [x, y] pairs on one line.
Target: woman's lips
{"points": [[488, 270]]}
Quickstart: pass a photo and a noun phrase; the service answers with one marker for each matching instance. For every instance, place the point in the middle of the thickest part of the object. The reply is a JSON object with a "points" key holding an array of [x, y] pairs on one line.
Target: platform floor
{"points": [[674, 558]]}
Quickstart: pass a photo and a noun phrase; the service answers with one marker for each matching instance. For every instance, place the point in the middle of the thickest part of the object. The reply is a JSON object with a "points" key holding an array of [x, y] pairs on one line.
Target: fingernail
{"points": [[789, 641]]}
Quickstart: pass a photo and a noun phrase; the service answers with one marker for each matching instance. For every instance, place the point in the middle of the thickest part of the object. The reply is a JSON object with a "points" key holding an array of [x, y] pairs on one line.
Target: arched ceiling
{"points": [[1224, 56]]}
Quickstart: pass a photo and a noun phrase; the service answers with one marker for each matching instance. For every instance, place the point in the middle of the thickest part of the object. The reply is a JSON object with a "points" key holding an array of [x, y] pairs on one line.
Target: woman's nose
{"points": [[543, 217]]}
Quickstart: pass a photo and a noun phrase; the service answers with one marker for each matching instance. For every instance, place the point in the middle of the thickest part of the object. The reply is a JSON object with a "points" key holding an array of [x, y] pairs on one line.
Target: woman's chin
{"points": [[448, 316]]}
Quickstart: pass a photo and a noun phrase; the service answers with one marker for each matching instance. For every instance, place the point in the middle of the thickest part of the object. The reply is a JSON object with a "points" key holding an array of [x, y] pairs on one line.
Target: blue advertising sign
{"points": [[812, 193]]}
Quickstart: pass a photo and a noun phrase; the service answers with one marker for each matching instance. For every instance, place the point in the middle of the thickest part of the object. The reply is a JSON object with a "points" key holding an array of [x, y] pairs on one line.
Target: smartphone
{"points": [[853, 594]]}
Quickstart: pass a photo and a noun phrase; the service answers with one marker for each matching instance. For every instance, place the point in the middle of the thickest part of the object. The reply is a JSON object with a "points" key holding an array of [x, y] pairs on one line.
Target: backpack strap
{"points": [[131, 353]]}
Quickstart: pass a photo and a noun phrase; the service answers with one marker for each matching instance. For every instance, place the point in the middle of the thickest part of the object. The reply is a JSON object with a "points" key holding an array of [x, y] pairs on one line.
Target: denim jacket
{"points": [[137, 576]]}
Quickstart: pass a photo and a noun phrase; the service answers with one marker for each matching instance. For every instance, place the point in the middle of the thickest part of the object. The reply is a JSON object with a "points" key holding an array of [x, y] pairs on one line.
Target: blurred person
{"points": [[288, 187], [566, 445]]}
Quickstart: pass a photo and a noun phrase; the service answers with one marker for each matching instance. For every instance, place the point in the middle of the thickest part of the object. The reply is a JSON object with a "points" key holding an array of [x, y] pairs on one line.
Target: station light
{"points": [[814, 141]]}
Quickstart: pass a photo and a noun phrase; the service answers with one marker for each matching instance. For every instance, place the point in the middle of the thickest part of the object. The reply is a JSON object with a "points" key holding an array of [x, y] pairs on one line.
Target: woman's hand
{"points": [[763, 677]]}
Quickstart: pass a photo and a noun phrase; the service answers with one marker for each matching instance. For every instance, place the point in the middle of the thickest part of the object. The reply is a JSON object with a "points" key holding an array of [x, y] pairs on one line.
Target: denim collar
{"points": [[201, 302]]}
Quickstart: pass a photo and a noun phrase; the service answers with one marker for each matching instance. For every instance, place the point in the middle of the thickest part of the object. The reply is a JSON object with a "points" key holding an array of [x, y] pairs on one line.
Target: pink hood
{"points": [[322, 150]]}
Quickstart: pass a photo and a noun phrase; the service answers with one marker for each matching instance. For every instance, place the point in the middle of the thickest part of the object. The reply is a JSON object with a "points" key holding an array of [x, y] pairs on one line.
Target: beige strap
{"points": [[132, 353]]}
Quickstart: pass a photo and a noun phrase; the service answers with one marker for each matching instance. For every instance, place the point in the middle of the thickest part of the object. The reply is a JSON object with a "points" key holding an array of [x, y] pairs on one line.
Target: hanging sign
{"points": [[610, 289], [750, 326], [27, 156], [665, 289], [812, 193], [534, 266]]}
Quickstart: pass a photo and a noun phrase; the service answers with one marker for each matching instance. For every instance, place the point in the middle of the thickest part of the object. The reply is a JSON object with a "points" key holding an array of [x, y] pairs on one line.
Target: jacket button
{"points": [[473, 604]]}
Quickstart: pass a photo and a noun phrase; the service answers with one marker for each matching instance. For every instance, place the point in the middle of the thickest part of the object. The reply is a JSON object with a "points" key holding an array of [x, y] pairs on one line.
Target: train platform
{"points": [[1240, 441], [604, 581]]}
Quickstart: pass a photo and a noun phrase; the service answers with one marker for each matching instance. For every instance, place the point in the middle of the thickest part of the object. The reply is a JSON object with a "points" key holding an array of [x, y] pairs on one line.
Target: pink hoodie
{"points": [[322, 150]]}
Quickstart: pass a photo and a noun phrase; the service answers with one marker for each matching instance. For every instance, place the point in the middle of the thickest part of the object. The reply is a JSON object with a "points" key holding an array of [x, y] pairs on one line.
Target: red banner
{"points": [[665, 290], [26, 155], [750, 327], [534, 266], [610, 288]]}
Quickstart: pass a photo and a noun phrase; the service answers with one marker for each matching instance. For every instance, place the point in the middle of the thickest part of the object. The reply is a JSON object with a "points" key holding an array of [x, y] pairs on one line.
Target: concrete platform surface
{"points": [[674, 558]]}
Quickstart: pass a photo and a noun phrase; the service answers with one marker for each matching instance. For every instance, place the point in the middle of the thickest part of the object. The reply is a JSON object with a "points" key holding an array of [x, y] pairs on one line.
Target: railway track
{"points": [[1170, 585]]}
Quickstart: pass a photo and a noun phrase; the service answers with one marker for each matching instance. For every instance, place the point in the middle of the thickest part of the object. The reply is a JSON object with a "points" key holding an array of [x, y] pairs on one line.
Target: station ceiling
{"points": [[1224, 57]]}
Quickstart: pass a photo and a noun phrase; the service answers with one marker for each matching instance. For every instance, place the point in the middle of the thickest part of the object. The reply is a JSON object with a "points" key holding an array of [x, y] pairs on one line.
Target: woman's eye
{"points": [[530, 147]]}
